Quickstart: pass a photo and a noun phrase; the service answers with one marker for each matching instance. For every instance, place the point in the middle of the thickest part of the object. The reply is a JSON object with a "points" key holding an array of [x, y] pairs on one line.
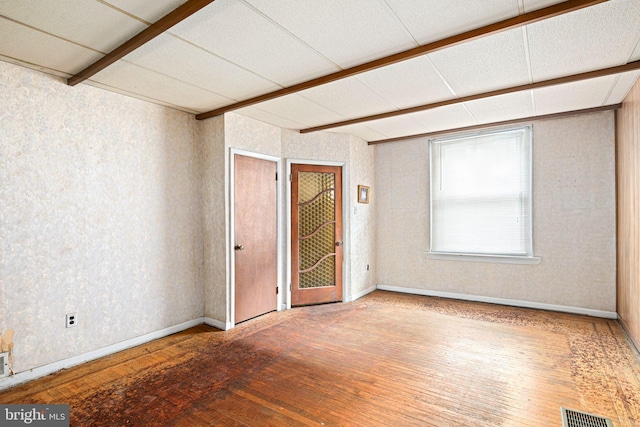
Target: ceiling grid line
{"points": [[497, 124], [135, 95], [172, 78], [231, 50], [31, 27], [606, 97], [399, 21], [290, 34], [377, 92], [527, 53], [57, 73], [172, 18], [124, 12], [466, 108], [635, 46], [545, 83], [208, 52], [484, 31]]}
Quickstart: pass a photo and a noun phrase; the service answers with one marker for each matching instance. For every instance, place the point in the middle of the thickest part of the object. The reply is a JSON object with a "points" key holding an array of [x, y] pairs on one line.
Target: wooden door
{"points": [[255, 234], [316, 234]]}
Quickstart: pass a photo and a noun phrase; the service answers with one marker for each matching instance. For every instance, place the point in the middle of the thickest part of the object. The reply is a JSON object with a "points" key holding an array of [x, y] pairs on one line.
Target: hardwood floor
{"points": [[386, 359]]}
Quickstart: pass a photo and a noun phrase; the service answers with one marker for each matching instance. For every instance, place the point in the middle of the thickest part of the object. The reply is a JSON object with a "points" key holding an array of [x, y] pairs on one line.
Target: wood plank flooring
{"points": [[386, 359]]}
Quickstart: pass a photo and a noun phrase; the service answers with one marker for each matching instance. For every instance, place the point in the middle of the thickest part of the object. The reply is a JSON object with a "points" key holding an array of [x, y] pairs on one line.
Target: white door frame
{"points": [[231, 283], [346, 289]]}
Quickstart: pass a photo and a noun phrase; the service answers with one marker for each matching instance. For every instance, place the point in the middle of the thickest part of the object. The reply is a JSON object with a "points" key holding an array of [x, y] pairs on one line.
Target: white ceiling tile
{"points": [[622, 87], [34, 47], [503, 107], [398, 126], [635, 56], [348, 97], [300, 109], [573, 96], [138, 96], [531, 5], [408, 83], [169, 55], [443, 118], [362, 31], [361, 131], [236, 32], [596, 37], [485, 64], [431, 20], [137, 80], [149, 10], [89, 23], [266, 117]]}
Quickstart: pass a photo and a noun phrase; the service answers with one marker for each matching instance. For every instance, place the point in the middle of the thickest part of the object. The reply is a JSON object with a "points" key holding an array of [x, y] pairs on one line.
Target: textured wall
{"points": [[628, 174], [100, 214], [239, 132], [117, 210], [573, 220], [214, 223], [363, 230]]}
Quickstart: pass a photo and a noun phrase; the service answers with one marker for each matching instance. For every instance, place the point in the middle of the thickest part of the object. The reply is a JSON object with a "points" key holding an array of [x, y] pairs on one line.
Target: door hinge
{"points": [[277, 290], [290, 177], [276, 176], [289, 287]]}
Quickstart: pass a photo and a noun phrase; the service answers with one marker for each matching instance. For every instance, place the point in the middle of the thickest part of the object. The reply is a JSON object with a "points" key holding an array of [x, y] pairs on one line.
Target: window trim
{"points": [[499, 259], [526, 258]]}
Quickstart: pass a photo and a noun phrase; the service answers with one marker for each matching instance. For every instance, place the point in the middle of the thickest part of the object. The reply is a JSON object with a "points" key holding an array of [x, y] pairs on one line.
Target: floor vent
{"points": [[572, 418]]}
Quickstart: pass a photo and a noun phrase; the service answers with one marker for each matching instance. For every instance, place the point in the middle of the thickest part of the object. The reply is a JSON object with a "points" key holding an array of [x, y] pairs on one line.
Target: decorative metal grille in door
{"points": [[316, 206], [317, 240]]}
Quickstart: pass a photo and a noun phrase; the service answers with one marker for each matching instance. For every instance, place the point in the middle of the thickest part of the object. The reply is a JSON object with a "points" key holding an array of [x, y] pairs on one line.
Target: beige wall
{"points": [[240, 133], [573, 221], [214, 214], [118, 210], [100, 214]]}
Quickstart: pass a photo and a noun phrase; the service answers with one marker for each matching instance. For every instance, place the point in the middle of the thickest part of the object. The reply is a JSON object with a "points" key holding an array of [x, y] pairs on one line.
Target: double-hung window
{"points": [[481, 194]]}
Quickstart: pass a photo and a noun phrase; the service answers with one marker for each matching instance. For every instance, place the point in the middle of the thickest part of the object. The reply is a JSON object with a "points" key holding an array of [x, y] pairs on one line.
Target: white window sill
{"points": [[501, 259]]}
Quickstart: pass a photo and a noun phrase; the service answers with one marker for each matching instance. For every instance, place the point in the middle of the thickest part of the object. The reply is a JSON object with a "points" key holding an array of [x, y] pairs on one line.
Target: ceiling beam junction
{"points": [[631, 66], [507, 24], [179, 14]]}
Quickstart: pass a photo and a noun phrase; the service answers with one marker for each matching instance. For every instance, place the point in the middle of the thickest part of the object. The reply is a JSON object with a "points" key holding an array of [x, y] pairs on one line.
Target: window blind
{"points": [[481, 194]]}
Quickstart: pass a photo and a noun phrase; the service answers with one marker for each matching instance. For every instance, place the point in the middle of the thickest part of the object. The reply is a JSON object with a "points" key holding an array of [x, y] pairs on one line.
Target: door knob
{"points": [[239, 247], [338, 243]]}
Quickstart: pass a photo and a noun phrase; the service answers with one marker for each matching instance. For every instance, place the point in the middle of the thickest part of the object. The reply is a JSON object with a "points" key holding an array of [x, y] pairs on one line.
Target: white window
{"points": [[481, 194]]}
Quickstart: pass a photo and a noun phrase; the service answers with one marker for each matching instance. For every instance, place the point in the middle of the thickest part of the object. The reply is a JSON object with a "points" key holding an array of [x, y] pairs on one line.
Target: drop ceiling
{"points": [[233, 50]]}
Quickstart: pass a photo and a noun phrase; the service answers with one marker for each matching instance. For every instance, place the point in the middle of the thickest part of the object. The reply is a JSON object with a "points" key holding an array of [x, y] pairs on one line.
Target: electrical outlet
{"points": [[72, 320], [4, 365]]}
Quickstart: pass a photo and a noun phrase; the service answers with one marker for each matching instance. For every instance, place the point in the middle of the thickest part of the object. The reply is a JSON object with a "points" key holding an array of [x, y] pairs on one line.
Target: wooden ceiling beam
{"points": [[507, 24], [631, 66], [495, 124], [154, 30]]}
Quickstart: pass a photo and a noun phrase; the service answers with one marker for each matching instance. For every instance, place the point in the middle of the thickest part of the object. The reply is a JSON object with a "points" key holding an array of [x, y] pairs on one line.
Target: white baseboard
{"points": [[41, 371], [503, 301], [360, 294], [217, 323]]}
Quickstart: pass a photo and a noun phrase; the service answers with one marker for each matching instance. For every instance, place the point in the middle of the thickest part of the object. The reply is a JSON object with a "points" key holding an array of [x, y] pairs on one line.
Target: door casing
{"points": [[231, 232], [346, 289]]}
